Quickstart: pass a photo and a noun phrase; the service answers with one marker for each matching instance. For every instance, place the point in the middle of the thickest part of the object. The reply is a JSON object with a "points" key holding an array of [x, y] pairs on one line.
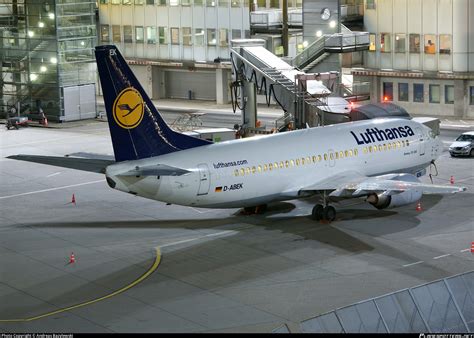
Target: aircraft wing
{"points": [[85, 164], [155, 170], [352, 184]]}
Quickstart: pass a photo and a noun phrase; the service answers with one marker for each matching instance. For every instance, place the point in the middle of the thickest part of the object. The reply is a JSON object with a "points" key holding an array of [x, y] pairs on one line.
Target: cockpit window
{"points": [[465, 138]]}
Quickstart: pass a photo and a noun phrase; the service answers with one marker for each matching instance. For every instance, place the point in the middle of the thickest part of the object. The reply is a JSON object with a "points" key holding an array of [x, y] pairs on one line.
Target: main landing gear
{"points": [[258, 210], [327, 212]]}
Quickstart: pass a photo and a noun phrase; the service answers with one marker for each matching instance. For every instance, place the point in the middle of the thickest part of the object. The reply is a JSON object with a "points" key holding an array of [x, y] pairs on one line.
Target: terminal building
{"points": [[421, 55]]}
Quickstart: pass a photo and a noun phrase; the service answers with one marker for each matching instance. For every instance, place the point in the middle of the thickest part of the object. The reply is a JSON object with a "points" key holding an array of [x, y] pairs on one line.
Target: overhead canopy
{"points": [[375, 110]]}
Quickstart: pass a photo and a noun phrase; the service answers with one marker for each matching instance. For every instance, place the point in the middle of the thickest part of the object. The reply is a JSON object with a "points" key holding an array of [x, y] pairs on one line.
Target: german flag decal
{"points": [[218, 189]]}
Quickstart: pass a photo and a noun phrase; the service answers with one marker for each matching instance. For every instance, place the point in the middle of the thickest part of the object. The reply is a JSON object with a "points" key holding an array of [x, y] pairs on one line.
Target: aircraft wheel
{"points": [[329, 213], [259, 210], [317, 213]]}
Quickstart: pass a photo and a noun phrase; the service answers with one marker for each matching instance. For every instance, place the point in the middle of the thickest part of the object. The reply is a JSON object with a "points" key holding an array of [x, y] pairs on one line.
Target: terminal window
{"points": [[430, 44], [449, 94], [418, 92], [435, 93], [127, 34], [199, 37], [372, 42], [163, 35], [187, 36], [150, 2], [151, 35], [224, 3], [211, 37], [174, 36], [162, 2], [414, 43], [236, 3], [186, 2], [115, 2], [139, 2], [116, 33], [388, 91], [139, 34], [104, 33], [370, 4], [236, 34], [223, 38], [400, 41], [445, 44], [385, 42], [403, 92]]}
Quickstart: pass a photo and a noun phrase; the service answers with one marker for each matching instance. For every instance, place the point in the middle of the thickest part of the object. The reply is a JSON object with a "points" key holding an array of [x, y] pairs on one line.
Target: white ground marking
{"points": [[51, 189], [438, 257], [51, 175], [465, 250], [406, 265], [197, 238]]}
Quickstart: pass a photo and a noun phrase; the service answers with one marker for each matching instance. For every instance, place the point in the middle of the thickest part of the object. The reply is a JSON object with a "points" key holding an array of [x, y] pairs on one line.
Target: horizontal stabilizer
{"points": [[155, 170], [85, 164]]}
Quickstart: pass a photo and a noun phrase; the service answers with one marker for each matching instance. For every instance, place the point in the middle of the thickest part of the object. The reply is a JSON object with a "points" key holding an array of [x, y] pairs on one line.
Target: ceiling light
{"points": [[53, 60], [31, 34], [319, 34], [33, 76], [40, 24], [43, 69], [332, 24]]}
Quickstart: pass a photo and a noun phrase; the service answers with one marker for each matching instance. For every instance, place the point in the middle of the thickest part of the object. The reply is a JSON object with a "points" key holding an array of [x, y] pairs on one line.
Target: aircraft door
{"points": [[421, 141], [204, 179]]}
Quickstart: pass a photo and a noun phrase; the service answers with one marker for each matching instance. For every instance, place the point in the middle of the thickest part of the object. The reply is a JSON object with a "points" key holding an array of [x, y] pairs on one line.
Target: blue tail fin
{"points": [[137, 129]]}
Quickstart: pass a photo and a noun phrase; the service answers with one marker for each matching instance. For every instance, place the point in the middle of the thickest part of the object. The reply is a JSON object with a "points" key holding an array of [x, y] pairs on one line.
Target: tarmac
{"points": [[144, 266]]}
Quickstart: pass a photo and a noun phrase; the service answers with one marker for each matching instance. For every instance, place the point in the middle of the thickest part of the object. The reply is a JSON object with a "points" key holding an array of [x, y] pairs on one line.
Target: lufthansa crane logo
{"points": [[128, 108]]}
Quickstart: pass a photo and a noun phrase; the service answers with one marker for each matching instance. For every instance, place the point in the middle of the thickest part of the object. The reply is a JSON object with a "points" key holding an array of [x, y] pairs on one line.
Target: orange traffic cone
{"points": [[451, 180], [418, 206], [45, 123], [72, 259], [73, 199]]}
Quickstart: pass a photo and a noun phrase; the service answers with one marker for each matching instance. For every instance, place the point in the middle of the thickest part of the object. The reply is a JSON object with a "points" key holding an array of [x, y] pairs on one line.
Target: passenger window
{"points": [[336, 155], [308, 160], [247, 170], [314, 159], [365, 150], [394, 145], [380, 147], [370, 149], [325, 157], [292, 163], [253, 170], [408, 143], [385, 146], [346, 153], [297, 161], [341, 154], [242, 172], [287, 163], [281, 165], [331, 156], [275, 165], [350, 153], [270, 167], [259, 168], [302, 161], [356, 152], [265, 167]]}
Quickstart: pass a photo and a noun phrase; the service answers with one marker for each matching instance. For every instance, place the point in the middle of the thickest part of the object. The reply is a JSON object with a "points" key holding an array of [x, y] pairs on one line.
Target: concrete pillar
{"points": [[375, 89], [461, 99], [222, 86]]}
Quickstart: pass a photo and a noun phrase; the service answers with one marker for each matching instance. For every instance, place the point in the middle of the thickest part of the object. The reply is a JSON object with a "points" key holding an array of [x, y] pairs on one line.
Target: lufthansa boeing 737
{"points": [[379, 160]]}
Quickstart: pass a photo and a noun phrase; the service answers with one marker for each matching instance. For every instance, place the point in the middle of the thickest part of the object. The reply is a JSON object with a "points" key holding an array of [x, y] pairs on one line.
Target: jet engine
{"points": [[387, 201]]}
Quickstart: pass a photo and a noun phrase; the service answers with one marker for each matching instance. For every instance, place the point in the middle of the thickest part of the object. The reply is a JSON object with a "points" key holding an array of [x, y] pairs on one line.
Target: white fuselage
{"points": [[237, 173]]}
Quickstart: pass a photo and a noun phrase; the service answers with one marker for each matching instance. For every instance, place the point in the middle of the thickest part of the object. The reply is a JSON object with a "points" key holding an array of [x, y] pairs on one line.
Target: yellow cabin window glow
{"points": [[394, 145], [265, 167], [389, 146], [308, 160], [331, 156], [287, 163], [302, 161], [247, 170], [314, 159], [380, 147], [365, 150], [270, 167], [292, 163], [259, 168], [297, 161], [385, 146], [253, 170], [325, 157], [346, 153], [336, 155], [319, 158], [370, 149], [350, 153], [236, 172], [242, 172], [281, 164], [275, 165], [341, 154], [356, 152]]}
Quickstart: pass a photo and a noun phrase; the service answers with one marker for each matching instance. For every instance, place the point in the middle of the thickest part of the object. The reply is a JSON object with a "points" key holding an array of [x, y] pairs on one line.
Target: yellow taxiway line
{"points": [[155, 265]]}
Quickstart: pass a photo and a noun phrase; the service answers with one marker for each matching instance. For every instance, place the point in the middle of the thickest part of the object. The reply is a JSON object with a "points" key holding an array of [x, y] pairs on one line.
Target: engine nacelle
{"points": [[382, 201]]}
